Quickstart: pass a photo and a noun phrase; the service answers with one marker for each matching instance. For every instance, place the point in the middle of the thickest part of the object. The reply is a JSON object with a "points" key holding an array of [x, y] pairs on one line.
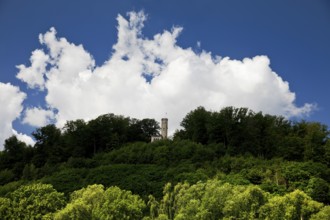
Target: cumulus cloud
{"points": [[38, 117], [11, 99], [34, 75], [150, 78]]}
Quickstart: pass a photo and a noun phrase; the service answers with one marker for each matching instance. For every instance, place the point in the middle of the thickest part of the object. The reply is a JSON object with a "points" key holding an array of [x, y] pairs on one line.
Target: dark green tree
{"points": [[195, 125], [13, 152], [108, 132], [77, 138], [48, 146], [319, 190], [142, 130]]}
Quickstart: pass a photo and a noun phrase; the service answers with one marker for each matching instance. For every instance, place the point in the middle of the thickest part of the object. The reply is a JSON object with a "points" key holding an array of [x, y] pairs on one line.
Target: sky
{"points": [[67, 60]]}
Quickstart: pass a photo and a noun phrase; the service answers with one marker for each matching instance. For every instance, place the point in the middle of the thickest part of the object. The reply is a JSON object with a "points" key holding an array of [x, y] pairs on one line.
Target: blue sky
{"points": [[289, 38]]}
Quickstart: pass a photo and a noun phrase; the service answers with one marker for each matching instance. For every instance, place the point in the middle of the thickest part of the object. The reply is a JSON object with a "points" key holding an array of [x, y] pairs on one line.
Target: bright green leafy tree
{"points": [[295, 205], [324, 214], [5, 208], [93, 202], [34, 201]]}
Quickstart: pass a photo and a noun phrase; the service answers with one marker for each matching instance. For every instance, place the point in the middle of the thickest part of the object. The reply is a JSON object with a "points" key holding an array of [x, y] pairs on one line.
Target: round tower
{"points": [[164, 128]]}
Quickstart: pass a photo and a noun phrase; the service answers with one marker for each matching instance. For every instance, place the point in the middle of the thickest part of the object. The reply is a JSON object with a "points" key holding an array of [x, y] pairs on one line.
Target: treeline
{"points": [[77, 139], [212, 199], [242, 131]]}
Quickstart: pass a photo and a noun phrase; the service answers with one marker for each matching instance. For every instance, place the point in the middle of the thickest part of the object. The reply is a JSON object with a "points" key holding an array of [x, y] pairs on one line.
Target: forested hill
{"points": [[229, 164]]}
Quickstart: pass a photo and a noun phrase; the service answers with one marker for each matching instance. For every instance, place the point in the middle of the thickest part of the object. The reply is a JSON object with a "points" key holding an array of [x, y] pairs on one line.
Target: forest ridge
{"points": [[227, 164]]}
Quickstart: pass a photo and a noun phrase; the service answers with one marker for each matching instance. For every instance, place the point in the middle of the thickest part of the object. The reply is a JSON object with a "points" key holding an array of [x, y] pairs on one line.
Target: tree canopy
{"points": [[227, 164]]}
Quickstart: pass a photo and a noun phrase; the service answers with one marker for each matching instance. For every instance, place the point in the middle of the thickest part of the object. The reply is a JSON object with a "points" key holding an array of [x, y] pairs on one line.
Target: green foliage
{"points": [[318, 189], [13, 158], [324, 214], [48, 146], [94, 202], [35, 200], [234, 147], [6, 176], [14, 149], [296, 205], [120, 204], [273, 188], [211, 200], [29, 172], [217, 200], [5, 208], [10, 187], [195, 124], [298, 174], [67, 180], [161, 152], [74, 210], [83, 203], [235, 179], [77, 138], [242, 131], [75, 162], [108, 132], [153, 206], [140, 179], [326, 159], [191, 177], [245, 203]]}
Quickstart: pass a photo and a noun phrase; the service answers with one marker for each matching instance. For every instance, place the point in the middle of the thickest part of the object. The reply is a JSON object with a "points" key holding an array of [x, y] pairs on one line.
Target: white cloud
{"points": [[181, 79], [24, 138], [34, 75], [11, 99], [38, 117]]}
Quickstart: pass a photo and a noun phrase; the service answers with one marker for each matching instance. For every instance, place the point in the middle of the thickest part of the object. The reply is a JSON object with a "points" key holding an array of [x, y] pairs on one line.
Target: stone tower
{"points": [[164, 128]]}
